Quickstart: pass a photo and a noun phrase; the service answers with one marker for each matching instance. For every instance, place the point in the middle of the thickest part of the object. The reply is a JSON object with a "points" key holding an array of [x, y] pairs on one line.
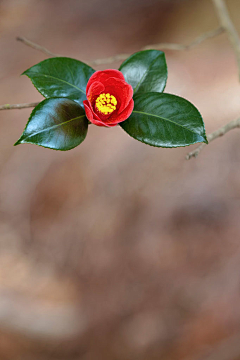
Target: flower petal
{"points": [[94, 90], [120, 117], [102, 76], [92, 117], [121, 90]]}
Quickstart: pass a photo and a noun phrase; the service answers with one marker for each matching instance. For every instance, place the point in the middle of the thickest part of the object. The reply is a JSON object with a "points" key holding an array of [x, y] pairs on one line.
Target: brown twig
{"points": [[214, 135], [18, 106], [164, 46], [227, 25], [36, 46], [198, 40], [111, 59], [119, 57]]}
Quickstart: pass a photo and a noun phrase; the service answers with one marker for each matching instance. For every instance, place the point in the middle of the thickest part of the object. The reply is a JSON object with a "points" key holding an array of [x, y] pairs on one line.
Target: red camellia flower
{"points": [[109, 98]]}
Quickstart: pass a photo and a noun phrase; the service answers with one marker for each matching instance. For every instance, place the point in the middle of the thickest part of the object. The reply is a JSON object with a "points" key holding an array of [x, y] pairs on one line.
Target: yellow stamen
{"points": [[106, 103]]}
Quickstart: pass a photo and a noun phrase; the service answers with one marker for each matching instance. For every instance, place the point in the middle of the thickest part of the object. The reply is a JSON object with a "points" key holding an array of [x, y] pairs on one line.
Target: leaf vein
{"points": [[53, 127], [160, 117], [53, 77]]}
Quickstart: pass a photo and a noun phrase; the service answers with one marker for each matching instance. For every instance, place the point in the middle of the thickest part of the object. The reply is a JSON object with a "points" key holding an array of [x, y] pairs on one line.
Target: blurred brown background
{"points": [[116, 250]]}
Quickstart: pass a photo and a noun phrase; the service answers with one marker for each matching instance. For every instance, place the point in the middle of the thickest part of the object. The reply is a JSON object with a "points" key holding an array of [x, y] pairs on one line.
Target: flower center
{"points": [[106, 103]]}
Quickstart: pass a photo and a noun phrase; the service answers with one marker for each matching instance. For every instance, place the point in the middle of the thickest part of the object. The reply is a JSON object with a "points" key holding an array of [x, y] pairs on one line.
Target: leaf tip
{"points": [[205, 139], [18, 142]]}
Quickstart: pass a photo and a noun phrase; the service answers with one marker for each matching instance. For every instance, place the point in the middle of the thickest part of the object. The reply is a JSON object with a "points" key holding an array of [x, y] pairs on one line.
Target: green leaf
{"points": [[146, 71], [165, 120], [61, 77], [58, 124]]}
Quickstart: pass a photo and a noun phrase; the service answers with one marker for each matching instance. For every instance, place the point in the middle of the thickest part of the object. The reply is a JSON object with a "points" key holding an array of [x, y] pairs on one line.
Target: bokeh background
{"points": [[116, 250]]}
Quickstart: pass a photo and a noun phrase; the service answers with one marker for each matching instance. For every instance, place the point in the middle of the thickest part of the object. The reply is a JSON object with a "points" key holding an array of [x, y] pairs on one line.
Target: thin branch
{"points": [[111, 59], [120, 57], [227, 25], [36, 46], [164, 46], [214, 135], [198, 40], [18, 106]]}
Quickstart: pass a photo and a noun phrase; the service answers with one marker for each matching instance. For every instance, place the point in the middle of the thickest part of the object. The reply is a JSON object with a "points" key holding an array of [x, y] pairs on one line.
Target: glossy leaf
{"points": [[146, 71], [61, 77], [58, 124], [165, 120]]}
